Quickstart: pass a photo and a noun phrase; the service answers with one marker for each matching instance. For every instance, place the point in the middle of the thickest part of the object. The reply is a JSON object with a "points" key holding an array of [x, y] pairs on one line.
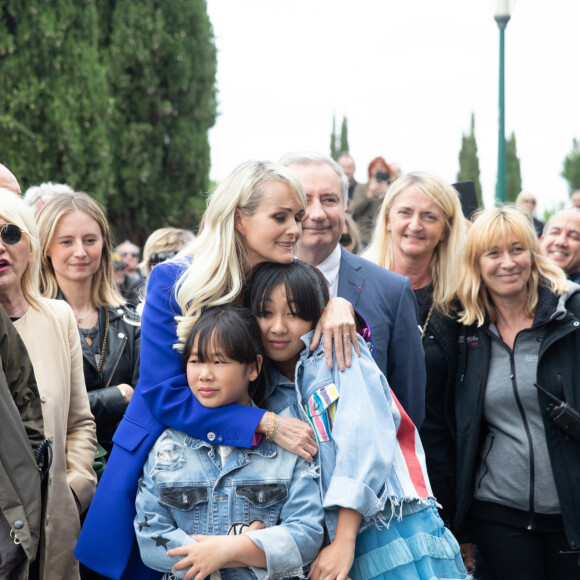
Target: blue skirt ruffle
{"points": [[419, 547]]}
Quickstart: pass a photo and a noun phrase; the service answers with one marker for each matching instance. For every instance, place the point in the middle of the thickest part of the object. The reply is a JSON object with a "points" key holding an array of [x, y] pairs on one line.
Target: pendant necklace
{"points": [[87, 335]]}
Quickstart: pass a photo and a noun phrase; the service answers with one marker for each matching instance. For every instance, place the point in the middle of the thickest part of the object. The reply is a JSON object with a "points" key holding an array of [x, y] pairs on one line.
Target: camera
{"points": [[383, 176]]}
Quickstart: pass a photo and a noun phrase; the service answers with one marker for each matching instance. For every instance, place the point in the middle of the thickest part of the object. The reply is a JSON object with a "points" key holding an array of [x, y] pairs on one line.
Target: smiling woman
{"points": [[517, 471], [76, 253]]}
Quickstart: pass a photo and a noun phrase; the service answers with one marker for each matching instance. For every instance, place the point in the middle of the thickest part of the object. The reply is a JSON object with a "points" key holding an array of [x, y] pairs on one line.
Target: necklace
{"points": [[84, 317], [87, 335], [424, 329], [102, 357]]}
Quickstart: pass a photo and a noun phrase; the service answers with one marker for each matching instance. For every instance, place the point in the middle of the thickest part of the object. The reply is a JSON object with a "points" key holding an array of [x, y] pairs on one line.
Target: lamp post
{"points": [[502, 16]]}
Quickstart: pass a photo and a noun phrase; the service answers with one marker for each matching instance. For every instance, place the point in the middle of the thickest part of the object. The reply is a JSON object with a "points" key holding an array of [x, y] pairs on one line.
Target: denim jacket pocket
{"points": [[263, 501], [321, 410], [183, 498]]}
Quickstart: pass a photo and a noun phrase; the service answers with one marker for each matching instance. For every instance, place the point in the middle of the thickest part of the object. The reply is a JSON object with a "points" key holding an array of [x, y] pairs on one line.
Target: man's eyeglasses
{"points": [[132, 254], [10, 234]]}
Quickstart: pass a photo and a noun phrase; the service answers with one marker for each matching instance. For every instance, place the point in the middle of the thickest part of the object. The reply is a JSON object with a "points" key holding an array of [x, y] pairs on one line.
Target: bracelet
{"points": [[272, 427]]}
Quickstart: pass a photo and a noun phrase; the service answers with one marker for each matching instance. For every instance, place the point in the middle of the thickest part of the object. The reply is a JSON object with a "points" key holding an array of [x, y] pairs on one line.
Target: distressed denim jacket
{"points": [[185, 490], [371, 458]]}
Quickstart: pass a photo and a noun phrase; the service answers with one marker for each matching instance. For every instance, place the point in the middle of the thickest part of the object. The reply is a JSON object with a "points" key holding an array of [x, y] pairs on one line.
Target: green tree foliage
{"points": [[344, 136], [469, 161], [571, 170], [513, 172], [162, 83], [334, 151], [339, 144], [53, 95], [114, 97]]}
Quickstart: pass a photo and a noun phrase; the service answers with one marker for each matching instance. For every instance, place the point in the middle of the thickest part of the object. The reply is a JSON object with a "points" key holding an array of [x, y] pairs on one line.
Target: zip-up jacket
{"points": [[557, 372]]}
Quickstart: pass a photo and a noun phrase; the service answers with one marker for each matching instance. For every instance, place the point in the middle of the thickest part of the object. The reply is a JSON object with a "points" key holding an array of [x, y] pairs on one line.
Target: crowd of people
{"points": [[329, 380]]}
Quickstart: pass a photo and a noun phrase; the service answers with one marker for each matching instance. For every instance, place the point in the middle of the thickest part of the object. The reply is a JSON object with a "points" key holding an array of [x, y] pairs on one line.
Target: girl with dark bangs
{"points": [[222, 509], [379, 509]]}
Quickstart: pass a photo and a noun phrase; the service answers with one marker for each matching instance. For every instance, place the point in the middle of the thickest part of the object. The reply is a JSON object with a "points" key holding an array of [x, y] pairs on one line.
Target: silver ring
{"points": [[345, 339]]}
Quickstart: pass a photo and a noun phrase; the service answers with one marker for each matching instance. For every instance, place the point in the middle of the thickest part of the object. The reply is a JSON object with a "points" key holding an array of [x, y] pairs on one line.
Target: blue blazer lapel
{"points": [[350, 278]]}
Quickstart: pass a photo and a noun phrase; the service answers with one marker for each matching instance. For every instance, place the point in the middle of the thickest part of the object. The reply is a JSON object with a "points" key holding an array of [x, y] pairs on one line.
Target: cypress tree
{"points": [[53, 95], [513, 172], [469, 161], [571, 169], [343, 136], [333, 149], [162, 84]]}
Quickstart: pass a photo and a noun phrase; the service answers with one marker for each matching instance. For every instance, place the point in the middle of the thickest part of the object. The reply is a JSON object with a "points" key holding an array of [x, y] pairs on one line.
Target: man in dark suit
{"points": [[384, 299]]}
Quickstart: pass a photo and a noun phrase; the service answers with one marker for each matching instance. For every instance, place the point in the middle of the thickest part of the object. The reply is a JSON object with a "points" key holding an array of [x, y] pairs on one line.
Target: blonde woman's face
{"points": [[416, 223], [505, 269], [76, 247], [271, 234]]}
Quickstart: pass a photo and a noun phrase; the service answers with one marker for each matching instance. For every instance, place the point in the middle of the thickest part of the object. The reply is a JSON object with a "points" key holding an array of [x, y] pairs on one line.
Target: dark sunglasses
{"points": [[159, 257], [10, 234], [132, 254], [345, 240]]}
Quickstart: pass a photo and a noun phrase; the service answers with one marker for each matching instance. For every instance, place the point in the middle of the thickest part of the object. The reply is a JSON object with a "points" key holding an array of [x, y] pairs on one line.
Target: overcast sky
{"points": [[407, 74]]}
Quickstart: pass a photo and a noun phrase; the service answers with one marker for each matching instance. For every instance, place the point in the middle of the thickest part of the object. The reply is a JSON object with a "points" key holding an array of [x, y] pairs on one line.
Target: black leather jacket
{"points": [[121, 365], [558, 373]]}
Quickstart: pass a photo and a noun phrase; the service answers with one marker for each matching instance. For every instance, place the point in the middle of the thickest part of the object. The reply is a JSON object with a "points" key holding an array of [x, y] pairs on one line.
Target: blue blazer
{"points": [[162, 399], [387, 302]]}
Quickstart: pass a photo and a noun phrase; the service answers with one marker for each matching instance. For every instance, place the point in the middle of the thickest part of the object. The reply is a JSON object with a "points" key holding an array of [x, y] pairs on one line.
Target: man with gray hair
{"points": [[384, 299], [37, 196]]}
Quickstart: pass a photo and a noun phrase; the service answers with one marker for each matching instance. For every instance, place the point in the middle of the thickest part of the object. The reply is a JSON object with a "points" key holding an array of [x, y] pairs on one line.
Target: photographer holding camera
{"points": [[367, 198]]}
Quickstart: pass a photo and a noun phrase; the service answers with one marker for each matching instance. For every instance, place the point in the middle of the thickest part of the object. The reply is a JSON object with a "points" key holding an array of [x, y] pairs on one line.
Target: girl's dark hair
{"points": [[305, 286], [235, 334]]}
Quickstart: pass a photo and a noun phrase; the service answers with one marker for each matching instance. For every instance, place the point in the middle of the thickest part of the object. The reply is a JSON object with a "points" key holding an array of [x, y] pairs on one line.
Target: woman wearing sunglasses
{"points": [[76, 254], [48, 330]]}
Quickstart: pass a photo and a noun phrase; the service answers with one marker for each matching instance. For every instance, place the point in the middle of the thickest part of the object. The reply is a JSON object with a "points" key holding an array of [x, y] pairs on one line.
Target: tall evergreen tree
{"points": [[343, 136], [114, 97], [53, 95], [162, 82], [333, 148], [571, 170], [513, 172], [469, 161]]}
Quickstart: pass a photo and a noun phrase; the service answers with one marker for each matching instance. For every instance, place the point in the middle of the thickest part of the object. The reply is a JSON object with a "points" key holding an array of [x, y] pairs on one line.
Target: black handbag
{"points": [[564, 416]]}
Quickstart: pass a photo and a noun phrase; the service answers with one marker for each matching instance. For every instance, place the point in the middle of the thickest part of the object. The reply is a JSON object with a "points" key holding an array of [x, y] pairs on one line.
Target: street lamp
{"points": [[502, 16]]}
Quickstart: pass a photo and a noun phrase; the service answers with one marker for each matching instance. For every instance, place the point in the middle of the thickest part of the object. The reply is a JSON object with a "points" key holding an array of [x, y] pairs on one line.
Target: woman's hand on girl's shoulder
{"points": [[337, 325], [291, 434]]}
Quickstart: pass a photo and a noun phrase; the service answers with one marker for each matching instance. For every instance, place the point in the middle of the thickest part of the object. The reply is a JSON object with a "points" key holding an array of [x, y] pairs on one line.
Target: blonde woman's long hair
{"points": [[444, 263], [14, 210], [104, 291], [216, 276], [491, 227]]}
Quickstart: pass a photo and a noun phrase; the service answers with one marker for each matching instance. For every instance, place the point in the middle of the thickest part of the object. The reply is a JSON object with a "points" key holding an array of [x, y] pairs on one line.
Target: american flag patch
{"points": [[321, 410]]}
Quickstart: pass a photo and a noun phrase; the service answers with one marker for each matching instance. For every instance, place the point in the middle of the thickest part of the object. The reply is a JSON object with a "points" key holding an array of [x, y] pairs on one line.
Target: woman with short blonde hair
{"points": [[517, 469], [49, 331]]}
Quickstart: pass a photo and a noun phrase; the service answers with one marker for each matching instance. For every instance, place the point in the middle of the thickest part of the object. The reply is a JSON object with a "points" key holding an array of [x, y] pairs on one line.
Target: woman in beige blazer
{"points": [[49, 331]]}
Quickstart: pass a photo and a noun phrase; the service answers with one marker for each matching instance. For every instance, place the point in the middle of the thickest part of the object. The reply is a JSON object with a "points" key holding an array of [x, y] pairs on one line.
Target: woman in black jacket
{"points": [[518, 473], [420, 233], [76, 252]]}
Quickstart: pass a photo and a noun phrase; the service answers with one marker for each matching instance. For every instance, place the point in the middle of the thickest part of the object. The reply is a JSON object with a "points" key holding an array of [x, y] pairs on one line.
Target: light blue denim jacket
{"points": [[185, 490], [354, 412]]}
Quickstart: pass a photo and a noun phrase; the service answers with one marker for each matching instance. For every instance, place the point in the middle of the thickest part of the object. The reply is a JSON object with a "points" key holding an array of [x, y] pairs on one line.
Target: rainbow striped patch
{"points": [[321, 410]]}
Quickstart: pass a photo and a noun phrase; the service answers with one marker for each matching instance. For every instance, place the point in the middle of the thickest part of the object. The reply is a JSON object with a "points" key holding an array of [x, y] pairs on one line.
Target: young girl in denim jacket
{"points": [[379, 511], [196, 500]]}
